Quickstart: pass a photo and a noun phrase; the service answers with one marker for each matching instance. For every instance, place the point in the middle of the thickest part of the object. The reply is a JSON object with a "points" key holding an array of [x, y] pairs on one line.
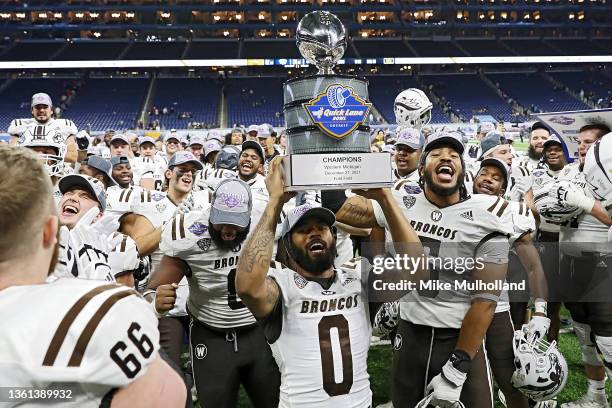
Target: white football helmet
{"points": [[598, 169], [550, 208], [412, 108], [540, 368], [43, 136]]}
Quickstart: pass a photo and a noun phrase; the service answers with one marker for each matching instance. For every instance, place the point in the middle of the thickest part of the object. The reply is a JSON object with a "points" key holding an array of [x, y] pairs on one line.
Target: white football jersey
{"points": [[414, 176], [212, 271], [158, 167], [583, 233], [65, 127], [86, 336], [158, 209], [323, 345], [542, 179], [529, 163], [258, 187], [456, 232]]}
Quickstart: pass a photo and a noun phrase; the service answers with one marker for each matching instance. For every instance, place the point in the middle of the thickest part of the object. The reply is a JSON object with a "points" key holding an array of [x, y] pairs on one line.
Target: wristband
{"points": [[461, 360], [540, 306]]}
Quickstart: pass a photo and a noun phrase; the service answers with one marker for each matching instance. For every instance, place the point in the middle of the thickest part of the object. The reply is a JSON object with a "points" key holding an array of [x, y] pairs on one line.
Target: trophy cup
{"points": [[327, 117]]}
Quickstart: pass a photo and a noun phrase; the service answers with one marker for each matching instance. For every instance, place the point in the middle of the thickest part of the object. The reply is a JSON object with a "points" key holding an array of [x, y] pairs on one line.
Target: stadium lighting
{"points": [[97, 34], [363, 18], [130, 14], [57, 15], [284, 18], [92, 15], [115, 15], [226, 33], [216, 18], [42, 15], [364, 34], [261, 16], [581, 15], [238, 16], [459, 15], [164, 14], [20, 15], [5, 15], [504, 15]]}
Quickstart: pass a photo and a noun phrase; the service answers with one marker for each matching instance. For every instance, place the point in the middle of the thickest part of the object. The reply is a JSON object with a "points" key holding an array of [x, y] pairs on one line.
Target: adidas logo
{"points": [[467, 215]]}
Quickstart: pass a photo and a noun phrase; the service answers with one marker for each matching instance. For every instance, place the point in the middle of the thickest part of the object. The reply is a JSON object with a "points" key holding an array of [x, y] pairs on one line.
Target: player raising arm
{"points": [[96, 341], [299, 306]]}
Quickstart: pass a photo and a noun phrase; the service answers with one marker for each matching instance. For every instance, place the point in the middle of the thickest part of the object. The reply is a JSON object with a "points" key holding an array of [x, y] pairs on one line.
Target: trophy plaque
{"points": [[327, 117]]}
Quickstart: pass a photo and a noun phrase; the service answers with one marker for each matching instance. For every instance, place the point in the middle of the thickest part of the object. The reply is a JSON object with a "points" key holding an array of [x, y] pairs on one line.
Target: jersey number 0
{"points": [[326, 324]]}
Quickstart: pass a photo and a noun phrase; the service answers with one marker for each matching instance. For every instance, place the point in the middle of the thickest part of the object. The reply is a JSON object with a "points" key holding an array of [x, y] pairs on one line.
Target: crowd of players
{"points": [[113, 252]]}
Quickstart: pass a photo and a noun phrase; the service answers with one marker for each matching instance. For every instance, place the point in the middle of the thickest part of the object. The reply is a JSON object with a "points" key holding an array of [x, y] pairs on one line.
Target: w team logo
{"points": [[200, 351], [397, 342]]}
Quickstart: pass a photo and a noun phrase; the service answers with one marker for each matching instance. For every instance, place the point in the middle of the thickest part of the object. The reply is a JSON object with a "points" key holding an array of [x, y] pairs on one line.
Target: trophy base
{"points": [[337, 171]]}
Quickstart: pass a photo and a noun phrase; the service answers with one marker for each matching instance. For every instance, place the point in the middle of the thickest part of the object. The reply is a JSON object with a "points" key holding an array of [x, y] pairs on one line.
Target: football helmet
{"points": [[412, 108], [598, 169], [43, 136], [549, 207], [540, 368]]}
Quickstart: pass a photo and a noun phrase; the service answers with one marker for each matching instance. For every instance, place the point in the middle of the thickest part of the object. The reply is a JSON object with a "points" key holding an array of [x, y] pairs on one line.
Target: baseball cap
{"points": [[263, 131], [444, 138], [211, 146], [94, 186], [101, 165], [251, 144], [539, 125], [214, 134], [253, 128], [410, 137], [172, 135], [492, 161], [197, 139], [490, 142], [41, 99], [146, 139], [553, 139], [231, 203], [117, 160], [227, 158], [303, 212], [120, 136], [486, 127], [238, 130], [183, 157]]}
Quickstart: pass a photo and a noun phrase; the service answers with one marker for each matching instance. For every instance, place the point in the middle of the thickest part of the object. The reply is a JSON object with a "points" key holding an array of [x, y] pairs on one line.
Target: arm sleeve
{"points": [[381, 220]]}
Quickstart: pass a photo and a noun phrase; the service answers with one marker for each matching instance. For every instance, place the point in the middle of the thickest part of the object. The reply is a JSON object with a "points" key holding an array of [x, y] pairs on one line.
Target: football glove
{"points": [[570, 195], [123, 255], [82, 140], [445, 388], [537, 328], [386, 318]]}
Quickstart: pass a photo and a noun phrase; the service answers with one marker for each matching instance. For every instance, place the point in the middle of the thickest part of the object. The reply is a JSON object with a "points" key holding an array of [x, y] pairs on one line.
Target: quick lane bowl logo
{"points": [[157, 196], [436, 215], [200, 351], [231, 200], [338, 111], [562, 120], [412, 189], [197, 228]]}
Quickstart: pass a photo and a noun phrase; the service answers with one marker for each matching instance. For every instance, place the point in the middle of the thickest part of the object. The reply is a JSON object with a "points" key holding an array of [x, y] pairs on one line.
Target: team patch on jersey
{"points": [[204, 244], [412, 189], [436, 215], [300, 281], [409, 201], [538, 173], [200, 351], [157, 196], [197, 228], [161, 207]]}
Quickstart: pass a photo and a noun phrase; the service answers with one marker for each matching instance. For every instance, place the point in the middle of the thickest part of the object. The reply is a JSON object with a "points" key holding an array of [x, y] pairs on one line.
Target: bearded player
{"points": [[452, 322], [95, 340], [302, 304], [228, 348]]}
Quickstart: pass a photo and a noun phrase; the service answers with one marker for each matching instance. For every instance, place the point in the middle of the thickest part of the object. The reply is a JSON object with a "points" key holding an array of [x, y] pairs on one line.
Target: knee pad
{"points": [[604, 345], [587, 345]]}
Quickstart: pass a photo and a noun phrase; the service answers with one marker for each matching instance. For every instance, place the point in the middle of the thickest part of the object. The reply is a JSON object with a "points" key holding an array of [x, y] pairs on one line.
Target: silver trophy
{"points": [[327, 117], [321, 39]]}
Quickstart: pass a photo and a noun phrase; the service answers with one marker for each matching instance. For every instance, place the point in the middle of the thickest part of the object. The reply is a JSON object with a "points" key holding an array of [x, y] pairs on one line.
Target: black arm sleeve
{"points": [[333, 199]]}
